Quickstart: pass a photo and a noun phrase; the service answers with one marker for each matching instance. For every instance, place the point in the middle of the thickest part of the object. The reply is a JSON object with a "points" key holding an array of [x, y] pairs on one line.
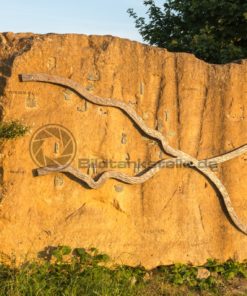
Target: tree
{"points": [[213, 30]]}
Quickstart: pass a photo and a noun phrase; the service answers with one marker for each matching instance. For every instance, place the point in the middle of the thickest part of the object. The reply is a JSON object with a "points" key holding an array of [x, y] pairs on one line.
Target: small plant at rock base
{"points": [[74, 272], [12, 130], [229, 269]]}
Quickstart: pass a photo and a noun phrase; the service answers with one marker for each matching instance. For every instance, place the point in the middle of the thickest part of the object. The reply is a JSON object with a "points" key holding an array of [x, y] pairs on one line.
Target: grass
{"points": [[12, 130], [80, 272]]}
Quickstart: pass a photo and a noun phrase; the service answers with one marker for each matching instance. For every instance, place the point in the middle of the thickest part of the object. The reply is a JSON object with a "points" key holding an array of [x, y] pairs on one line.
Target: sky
{"points": [[100, 17]]}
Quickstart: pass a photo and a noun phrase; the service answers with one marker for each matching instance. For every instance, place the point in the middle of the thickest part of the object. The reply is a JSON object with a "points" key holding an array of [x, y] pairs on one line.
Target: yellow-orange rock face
{"points": [[174, 217]]}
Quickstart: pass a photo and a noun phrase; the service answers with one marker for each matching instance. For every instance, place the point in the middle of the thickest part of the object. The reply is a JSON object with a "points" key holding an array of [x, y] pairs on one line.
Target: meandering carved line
{"points": [[156, 135], [141, 177]]}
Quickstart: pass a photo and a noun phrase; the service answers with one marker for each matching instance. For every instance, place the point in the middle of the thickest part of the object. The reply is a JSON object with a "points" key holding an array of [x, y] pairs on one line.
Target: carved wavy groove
{"points": [[156, 135]]}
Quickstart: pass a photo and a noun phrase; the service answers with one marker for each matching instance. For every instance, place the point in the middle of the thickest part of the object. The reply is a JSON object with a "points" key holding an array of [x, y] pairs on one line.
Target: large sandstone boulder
{"points": [[176, 216]]}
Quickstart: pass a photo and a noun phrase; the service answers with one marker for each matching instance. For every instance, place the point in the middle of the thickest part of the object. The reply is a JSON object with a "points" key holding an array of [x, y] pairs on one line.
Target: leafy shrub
{"points": [[12, 130], [85, 272]]}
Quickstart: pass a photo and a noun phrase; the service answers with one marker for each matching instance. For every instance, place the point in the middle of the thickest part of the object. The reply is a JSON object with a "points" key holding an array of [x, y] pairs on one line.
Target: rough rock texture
{"points": [[174, 217]]}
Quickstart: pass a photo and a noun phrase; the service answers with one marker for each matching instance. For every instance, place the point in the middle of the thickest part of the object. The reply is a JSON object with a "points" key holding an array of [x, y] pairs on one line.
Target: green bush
{"points": [[12, 130]]}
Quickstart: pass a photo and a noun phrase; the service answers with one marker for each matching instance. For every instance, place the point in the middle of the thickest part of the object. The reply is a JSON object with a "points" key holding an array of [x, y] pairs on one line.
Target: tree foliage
{"points": [[213, 30]]}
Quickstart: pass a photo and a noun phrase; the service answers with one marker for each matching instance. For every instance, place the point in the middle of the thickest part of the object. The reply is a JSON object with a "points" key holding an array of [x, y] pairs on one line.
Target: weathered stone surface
{"points": [[174, 217]]}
